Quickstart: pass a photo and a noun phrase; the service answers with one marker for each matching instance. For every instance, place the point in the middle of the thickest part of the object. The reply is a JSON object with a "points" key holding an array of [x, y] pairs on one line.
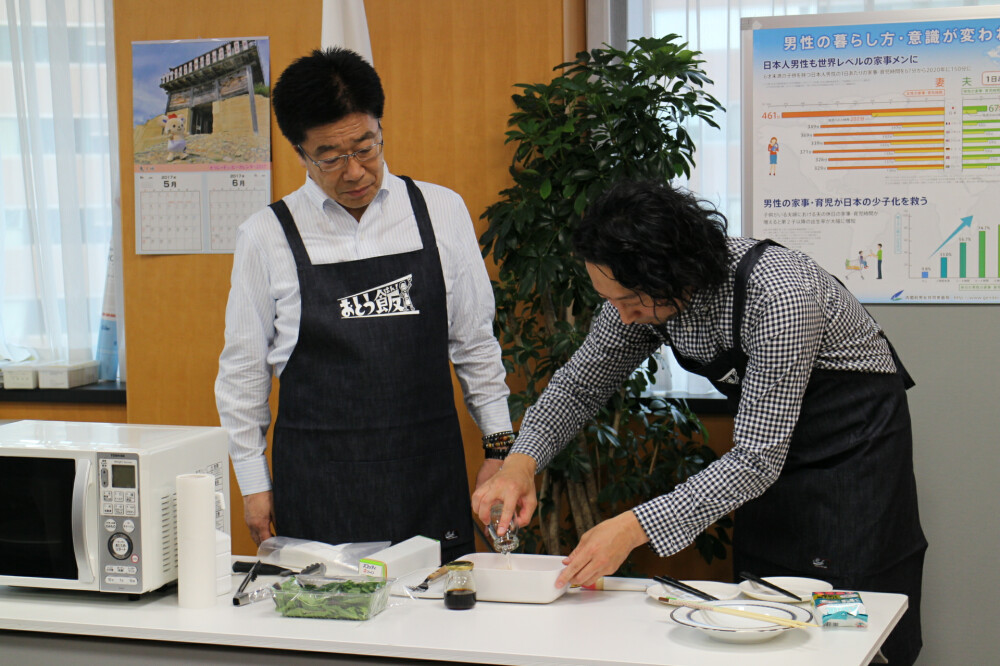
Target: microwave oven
{"points": [[93, 506]]}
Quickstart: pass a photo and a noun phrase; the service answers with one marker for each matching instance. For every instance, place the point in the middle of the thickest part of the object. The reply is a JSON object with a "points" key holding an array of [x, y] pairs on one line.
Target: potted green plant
{"points": [[609, 115]]}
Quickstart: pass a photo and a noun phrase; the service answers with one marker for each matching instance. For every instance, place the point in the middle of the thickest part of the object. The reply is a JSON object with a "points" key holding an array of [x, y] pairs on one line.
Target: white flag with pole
{"points": [[345, 25]]}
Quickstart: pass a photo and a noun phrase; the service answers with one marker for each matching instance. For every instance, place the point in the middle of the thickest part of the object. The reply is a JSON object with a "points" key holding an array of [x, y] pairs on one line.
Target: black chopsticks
{"points": [[760, 581], [673, 582]]}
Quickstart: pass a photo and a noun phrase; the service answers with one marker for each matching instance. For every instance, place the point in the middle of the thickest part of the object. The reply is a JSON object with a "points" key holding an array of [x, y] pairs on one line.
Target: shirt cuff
{"points": [[658, 519], [534, 448], [494, 417], [253, 476]]}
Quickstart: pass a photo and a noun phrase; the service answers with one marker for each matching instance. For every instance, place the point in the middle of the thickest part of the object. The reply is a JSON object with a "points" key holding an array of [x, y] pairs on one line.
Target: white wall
{"points": [[953, 353]]}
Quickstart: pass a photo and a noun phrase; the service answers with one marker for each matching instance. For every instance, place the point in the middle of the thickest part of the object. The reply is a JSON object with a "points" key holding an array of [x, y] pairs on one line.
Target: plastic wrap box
{"points": [[20, 376], [67, 375]]}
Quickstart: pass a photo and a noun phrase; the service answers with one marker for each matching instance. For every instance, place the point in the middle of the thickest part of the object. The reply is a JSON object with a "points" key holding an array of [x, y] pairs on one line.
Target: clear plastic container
{"points": [[332, 598]]}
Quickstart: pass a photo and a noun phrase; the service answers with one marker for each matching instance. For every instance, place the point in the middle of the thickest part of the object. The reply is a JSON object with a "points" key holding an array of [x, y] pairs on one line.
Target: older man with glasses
{"points": [[356, 290]]}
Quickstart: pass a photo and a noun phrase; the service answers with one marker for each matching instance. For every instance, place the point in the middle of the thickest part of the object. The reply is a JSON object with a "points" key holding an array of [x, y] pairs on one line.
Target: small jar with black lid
{"points": [[460, 587]]}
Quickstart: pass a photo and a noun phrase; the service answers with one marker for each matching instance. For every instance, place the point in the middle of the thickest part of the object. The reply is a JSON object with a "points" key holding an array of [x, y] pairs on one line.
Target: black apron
{"points": [[367, 445], [844, 508]]}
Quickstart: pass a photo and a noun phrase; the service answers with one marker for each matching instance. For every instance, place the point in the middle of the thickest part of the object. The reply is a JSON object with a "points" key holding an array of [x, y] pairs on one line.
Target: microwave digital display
{"points": [[123, 476]]}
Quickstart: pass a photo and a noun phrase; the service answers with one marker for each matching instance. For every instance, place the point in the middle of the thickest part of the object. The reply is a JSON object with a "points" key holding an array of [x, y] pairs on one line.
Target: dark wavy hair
{"points": [[655, 239], [322, 88]]}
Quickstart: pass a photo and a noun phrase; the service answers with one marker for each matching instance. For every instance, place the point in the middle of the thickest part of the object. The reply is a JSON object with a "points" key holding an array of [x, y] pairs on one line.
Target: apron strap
{"points": [[904, 374], [743, 271], [420, 212], [908, 381], [298, 248]]}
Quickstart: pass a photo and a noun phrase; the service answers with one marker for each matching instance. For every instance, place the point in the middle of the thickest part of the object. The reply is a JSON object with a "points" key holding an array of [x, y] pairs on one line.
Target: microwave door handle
{"points": [[80, 487]]}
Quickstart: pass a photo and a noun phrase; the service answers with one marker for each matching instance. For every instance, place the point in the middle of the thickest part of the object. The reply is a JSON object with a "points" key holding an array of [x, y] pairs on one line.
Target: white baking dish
{"points": [[531, 579]]}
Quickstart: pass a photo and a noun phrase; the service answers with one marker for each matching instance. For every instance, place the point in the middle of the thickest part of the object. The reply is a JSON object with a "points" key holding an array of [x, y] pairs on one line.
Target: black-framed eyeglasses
{"points": [[340, 161]]}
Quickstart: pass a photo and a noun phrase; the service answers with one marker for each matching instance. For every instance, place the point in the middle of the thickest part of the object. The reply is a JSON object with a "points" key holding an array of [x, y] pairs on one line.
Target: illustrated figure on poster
{"points": [[174, 128], [772, 152], [878, 258], [855, 266]]}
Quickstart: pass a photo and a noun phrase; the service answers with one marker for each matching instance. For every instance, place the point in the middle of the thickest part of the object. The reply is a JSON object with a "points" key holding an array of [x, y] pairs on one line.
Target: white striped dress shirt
{"points": [[262, 316]]}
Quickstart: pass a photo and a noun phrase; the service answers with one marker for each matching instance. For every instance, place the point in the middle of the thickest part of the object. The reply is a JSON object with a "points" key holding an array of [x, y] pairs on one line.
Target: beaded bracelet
{"points": [[496, 453], [498, 440]]}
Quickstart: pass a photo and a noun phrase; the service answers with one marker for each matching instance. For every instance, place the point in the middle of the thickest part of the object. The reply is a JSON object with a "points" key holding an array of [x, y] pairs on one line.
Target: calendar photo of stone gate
{"points": [[201, 102]]}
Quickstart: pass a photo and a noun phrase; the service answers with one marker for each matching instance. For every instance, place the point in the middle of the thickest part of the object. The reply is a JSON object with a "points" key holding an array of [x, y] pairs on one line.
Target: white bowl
{"points": [[531, 579], [733, 629]]}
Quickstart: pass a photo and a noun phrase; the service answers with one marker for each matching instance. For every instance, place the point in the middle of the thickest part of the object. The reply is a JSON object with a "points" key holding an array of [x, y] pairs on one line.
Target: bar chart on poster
{"points": [[872, 143]]}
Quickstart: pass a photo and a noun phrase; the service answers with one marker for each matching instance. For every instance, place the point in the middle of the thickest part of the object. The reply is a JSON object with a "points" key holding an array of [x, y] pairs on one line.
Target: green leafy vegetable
{"points": [[341, 599]]}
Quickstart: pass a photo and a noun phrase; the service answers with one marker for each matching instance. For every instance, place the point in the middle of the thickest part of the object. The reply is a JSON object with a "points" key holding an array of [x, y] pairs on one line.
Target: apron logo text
{"points": [[387, 300], [731, 377]]}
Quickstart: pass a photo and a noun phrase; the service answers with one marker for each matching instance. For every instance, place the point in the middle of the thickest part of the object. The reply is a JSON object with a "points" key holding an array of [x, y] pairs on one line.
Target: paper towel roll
{"points": [[196, 573]]}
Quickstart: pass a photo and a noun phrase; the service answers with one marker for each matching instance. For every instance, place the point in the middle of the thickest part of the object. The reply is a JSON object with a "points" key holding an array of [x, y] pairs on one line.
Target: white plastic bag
{"points": [[298, 553]]}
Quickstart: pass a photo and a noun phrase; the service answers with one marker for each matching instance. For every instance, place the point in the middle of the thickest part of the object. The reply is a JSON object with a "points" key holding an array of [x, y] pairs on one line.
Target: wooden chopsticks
{"points": [[785, 622]]}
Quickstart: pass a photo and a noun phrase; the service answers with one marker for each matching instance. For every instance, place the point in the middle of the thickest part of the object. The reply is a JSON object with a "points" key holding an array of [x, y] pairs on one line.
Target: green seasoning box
{"points": [[838, 608]]}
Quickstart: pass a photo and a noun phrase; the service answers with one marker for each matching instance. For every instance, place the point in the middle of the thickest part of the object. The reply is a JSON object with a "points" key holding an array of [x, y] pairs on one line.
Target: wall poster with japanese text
{"points": [[872, 143], [201, 127]]}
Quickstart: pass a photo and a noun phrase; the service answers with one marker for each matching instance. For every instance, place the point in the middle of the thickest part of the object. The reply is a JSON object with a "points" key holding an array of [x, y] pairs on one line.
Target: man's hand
{"points": [[258, 511], [602, 550], [489, 468], [514, 485]]}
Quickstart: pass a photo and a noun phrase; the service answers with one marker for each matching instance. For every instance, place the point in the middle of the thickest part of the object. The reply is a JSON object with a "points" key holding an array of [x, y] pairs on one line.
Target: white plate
{"points": [[804, 587], [733, 629], [723, 591]]}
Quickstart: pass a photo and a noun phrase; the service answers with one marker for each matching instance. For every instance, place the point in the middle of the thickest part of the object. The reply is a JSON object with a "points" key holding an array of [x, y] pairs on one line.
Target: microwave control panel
{"points": [[120, 562]]}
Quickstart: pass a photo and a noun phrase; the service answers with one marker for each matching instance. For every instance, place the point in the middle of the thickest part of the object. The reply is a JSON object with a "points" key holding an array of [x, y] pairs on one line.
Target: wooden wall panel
{"points": [[449, 67], [574, 28], [63, 411]]}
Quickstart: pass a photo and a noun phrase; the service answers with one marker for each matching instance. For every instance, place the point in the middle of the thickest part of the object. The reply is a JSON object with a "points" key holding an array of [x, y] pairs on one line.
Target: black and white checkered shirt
{"points": [[797, 317]]}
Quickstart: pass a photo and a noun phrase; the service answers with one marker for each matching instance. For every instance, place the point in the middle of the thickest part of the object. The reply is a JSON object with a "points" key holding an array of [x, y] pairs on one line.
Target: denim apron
{"points": [[367, 445], [844, 508]]}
